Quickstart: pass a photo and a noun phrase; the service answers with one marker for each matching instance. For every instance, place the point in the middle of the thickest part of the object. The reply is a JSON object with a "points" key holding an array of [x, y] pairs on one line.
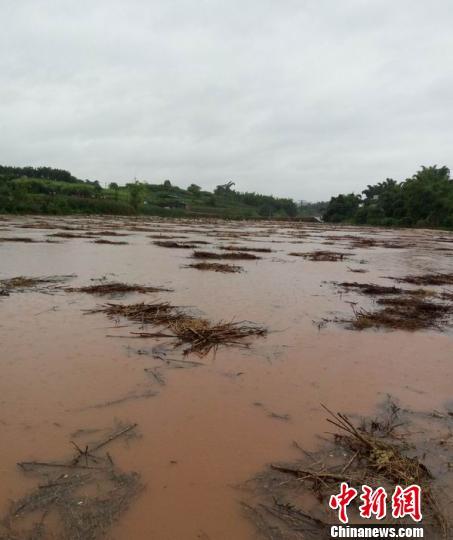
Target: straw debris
{"points": [[216, 267], [361, 242], [166, 237], [246, 248], [22, 239], [427, 279], [69, 235], [173, 244], [106, 233], [77, 499], [403, 313], [406, 309], [329, 256], [157, 313], [112, 242], [200, 334], [23, 283], [103, 289], [232, 255], [204, 336], [376, 453], [370, 288]]}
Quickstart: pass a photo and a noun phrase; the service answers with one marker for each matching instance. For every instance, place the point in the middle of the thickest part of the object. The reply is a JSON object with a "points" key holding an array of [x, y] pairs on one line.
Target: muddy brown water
{"points": [[210, 428]]}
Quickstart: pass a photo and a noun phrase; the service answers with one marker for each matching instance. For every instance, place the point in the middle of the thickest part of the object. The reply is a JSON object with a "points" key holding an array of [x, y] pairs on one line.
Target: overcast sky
{"points": [[299, 98]]}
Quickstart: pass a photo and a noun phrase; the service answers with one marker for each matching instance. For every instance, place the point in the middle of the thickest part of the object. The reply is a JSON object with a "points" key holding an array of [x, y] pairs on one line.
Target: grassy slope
{"points": [[36, 195]]}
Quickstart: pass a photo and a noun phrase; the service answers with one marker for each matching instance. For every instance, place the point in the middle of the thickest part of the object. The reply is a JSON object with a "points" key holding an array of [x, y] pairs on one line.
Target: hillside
{"points": [[55, 191]]}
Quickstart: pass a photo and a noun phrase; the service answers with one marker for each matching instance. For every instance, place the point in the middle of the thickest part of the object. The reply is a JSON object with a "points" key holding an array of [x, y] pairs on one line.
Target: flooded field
{"points": [[163, 413]]}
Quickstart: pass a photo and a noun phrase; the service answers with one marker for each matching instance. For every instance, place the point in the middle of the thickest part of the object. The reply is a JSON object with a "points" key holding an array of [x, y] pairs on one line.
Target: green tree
{"points": [[428, 197], [115, 189], [424, 200], [136, 195], [194, 189], [342, 208]]}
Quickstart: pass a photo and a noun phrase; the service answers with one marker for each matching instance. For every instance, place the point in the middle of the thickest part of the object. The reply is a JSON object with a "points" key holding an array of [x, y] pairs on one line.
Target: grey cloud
{"points": [[301, 98]]}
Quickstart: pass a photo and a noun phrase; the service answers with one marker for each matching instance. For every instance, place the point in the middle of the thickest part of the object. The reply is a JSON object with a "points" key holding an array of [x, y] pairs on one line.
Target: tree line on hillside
{"points": [[56, 191], [48, 173], [424, 200]]}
